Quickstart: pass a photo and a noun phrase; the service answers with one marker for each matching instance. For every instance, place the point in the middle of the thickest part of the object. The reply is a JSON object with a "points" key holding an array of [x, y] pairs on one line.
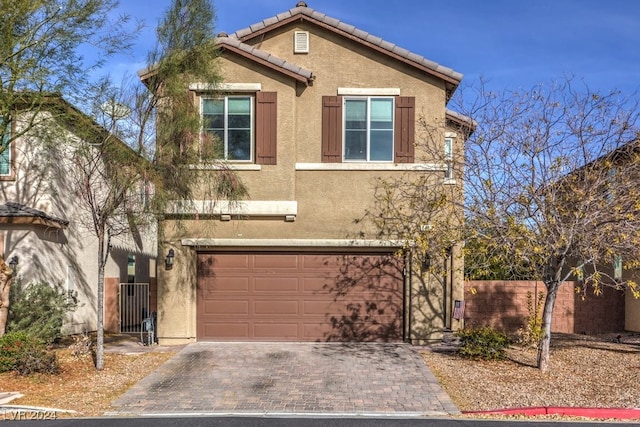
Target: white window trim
{"points": [[369, 91], [226, 165], [226, 87], [372, 166], [251, 159], [344, 128]]}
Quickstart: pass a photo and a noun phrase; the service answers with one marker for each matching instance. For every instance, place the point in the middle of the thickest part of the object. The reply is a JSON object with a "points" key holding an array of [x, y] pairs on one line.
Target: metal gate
{"points": [[134, 306]]}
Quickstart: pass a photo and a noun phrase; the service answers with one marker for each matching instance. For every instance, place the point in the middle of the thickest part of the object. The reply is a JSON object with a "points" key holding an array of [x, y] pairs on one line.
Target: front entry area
{"points": [[299, 296]]}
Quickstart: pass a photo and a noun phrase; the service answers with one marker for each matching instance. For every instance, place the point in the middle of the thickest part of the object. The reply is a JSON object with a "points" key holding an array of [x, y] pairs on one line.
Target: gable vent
{"points": [[301, 42]]}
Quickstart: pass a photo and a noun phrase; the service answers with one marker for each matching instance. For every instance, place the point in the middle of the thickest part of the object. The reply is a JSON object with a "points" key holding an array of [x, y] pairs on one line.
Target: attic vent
{"points": [[301, 42]]}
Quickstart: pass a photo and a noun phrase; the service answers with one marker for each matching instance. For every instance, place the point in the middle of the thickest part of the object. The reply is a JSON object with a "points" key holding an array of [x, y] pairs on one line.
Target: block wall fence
{"points": [[503, 306]]}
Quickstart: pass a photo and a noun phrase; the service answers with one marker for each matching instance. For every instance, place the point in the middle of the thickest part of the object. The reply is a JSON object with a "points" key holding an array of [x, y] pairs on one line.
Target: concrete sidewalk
{"points": [[290, 378]]}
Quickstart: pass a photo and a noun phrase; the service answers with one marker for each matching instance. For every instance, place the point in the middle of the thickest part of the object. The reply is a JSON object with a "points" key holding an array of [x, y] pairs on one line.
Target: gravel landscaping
{"points": [[585, 372]]}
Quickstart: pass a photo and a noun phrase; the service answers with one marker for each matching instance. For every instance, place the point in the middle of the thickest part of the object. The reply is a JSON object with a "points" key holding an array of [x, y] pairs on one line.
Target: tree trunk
{"points": [[5, 287], [100, 305], [547, 313]]}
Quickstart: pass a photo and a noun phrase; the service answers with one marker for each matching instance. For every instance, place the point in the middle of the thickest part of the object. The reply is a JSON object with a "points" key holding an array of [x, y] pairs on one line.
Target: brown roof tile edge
{"points": [[339, 26], [266, 56], [18, 210]]}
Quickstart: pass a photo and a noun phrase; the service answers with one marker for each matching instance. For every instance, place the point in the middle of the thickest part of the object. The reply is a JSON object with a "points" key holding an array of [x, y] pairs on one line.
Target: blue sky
{"points": [[511, 43]]}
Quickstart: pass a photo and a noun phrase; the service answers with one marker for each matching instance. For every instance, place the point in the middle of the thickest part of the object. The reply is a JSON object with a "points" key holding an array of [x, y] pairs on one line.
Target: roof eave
{"points": [[33, 220], [298, 77]]}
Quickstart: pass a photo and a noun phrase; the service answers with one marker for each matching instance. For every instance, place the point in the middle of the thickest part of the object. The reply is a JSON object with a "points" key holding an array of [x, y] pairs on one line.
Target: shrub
{"points": [[39, 310], [26, 355], [531, 333], [483, 343]]}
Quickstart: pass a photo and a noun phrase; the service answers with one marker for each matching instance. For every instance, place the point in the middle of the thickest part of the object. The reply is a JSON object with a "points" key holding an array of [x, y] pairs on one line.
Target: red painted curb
{"points": [[616, 413]]}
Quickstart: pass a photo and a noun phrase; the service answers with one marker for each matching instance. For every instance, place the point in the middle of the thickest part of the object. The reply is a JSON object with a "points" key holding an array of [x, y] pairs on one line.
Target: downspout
{"points": [[408, 304], [445, 297]]}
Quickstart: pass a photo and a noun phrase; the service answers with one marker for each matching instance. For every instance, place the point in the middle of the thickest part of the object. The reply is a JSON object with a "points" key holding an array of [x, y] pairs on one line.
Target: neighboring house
{"points": [[311, 112], [43, 227]]}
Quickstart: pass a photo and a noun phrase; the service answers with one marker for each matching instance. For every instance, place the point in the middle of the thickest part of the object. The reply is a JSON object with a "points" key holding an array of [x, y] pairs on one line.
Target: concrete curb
{"points": [[610, 413]]}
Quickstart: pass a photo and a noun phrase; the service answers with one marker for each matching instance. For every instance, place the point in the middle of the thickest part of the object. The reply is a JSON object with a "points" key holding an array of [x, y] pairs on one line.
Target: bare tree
{"points": [[551, 188], [422, 209]]}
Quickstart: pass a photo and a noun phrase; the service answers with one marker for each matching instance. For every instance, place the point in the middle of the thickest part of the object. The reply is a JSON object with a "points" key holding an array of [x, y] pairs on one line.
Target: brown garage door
{"points": [[299, 297]]}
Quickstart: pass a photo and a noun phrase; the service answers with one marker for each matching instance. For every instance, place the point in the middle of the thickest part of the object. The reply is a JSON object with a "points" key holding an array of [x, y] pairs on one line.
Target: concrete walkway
{"points": [[290, 378]]}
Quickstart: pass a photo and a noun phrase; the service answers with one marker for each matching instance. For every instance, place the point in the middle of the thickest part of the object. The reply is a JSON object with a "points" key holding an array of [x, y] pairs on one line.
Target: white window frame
{"points": [[252, 113], [6, 153], [368, 130], [448, 148]]}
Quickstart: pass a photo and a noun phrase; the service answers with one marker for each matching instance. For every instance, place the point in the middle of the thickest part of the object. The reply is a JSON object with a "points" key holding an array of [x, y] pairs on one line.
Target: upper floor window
{"points": [[229, 120], [243, 128], [5, 155], [368, 129], [448, 148]]}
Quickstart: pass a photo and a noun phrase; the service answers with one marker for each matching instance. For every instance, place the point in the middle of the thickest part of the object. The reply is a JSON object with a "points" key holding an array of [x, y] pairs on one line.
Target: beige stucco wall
{"points": [[328, 201]]}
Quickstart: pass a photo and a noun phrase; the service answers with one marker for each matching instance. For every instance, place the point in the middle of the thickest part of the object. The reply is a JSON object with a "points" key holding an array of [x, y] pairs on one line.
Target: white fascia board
{"points": [[436, 167], [369, 91], [248, 207], [226, 87], [293, 243]]}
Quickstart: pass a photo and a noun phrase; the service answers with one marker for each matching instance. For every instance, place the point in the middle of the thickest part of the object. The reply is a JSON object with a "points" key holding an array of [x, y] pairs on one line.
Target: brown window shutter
{"points": [[332, 129], [404, 132], [266, 125]]}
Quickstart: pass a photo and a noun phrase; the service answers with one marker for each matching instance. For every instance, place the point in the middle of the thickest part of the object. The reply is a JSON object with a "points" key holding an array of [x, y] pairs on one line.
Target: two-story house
{"points": [[45, 229], [312, 110]]}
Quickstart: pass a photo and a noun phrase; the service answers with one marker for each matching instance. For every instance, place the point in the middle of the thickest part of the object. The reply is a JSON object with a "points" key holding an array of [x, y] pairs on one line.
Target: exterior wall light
{"points": [[13, 262], [168, 261]]}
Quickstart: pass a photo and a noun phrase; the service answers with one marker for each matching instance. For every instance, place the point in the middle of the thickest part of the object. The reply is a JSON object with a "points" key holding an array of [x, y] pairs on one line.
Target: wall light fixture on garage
{"points": [[168, 261]]}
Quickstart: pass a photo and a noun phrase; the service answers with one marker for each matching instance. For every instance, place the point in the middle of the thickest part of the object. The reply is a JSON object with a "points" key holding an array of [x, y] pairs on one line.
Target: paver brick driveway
{"points": [[280, 378]]}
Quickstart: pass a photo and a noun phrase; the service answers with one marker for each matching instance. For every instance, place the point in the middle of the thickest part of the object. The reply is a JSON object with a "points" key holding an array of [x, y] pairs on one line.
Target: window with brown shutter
{"points": [[266, 125], [333, 126]]}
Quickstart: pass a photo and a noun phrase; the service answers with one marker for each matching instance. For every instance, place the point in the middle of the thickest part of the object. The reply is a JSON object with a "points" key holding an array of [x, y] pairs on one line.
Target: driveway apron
{"points": [[290, 378]]}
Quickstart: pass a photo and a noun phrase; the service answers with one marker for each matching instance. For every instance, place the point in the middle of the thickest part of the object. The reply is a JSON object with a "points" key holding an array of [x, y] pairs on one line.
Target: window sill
{"points": [[371, 167], [449, 181], [221, 166]]}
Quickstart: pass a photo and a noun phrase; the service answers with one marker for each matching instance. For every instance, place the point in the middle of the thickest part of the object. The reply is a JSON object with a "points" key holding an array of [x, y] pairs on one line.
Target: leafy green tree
{"points": [[551, 187]]}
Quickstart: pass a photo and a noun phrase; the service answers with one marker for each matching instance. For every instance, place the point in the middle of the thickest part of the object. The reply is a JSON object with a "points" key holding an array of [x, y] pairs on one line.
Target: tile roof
{"points": [[18, 210], [287, 67], [350, 31]]}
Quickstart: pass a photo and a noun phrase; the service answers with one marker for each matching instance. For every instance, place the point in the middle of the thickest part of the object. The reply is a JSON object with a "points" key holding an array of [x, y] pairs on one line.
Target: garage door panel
{"points": [[299, 296], [277, 262], [229, 284], [225, 307], [316, 285], [280, 284], [278, 331], [227, 330], [276, 307]]}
